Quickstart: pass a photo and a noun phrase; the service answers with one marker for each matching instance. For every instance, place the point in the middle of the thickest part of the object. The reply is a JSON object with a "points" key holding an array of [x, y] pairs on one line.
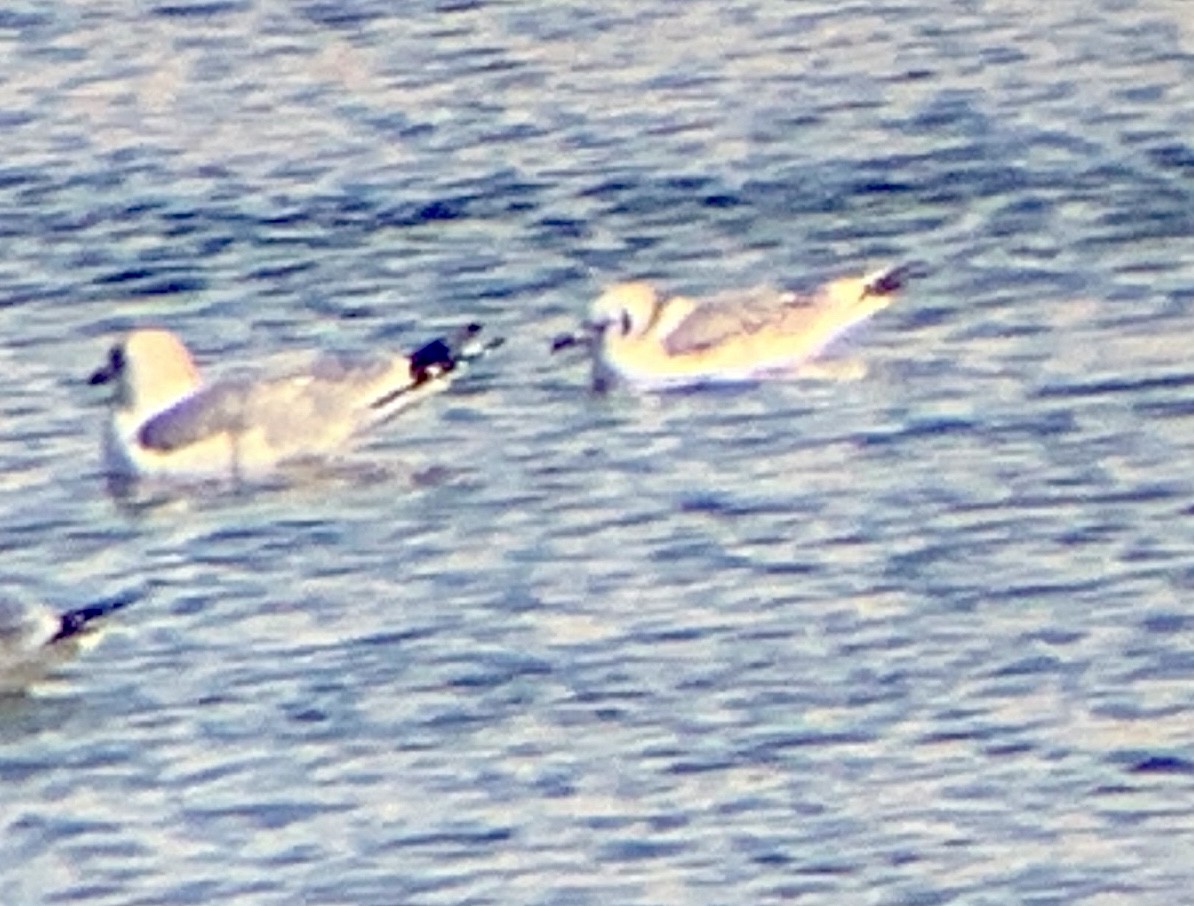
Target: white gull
{"points": [[640, 337], [165, 421]]}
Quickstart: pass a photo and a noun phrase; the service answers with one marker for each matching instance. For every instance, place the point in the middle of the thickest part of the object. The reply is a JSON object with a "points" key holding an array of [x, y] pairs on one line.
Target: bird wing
{"points": [[79, 620], [728, 316], [299, 409], [316, 407], [323, 407], [208, 412], [429, 369]]}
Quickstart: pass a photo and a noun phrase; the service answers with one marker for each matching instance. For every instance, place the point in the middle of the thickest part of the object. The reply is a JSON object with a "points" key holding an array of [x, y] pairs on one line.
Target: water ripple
{"points": [[919, 638]]}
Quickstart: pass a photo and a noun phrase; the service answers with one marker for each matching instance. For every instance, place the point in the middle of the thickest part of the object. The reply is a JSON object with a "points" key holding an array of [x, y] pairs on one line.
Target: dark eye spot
{"points": [[626, 323], [116, 359]]}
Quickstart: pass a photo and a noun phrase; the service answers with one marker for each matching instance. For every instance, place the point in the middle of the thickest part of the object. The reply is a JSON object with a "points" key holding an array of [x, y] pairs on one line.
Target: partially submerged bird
{"points": [[35, 639], [637, 336], [166, 422]]}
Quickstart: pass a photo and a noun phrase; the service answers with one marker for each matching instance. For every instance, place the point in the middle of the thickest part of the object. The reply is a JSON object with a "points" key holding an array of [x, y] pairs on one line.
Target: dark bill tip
{"points": [[110, 369], [564, 341], [100, 376]]}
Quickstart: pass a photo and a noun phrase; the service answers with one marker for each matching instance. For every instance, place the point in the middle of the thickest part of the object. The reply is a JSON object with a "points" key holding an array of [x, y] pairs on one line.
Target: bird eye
{"points": [[116, 359], [626, 323]]}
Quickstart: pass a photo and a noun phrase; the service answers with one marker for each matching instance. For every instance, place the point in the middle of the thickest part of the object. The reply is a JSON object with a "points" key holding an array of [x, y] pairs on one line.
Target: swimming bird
{"points": [[165, 421], [655, 342], [35, 639]]}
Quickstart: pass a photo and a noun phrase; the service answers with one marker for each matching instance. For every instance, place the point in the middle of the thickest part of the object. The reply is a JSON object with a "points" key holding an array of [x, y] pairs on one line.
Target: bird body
{"points": [[166, 421], [646, 340]]}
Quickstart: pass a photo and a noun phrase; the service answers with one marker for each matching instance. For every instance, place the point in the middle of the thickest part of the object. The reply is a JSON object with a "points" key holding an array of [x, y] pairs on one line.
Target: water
{"points": [[919, 639]]}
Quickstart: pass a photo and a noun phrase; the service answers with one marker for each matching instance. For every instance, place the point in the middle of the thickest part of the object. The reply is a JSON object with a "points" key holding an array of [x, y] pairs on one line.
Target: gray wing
{"points": [[321, 407], [210, 411], [727, 315], [306, 408], [318, 406]]}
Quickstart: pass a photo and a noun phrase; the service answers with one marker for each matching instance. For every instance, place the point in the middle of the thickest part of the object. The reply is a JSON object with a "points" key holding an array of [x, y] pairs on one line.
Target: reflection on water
{"points": [[918, 638]]}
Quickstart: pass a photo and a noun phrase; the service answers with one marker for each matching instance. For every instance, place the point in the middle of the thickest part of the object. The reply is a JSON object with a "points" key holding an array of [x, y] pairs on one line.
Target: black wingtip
{"points": [[432, 359], [444, 354], [440, 356], [77, 621], [467, 349], [896, 278]]}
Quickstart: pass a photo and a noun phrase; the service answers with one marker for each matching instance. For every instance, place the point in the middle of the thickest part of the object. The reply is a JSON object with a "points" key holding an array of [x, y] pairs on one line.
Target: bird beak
{"points": [[101, 375], [590, 332], [110, 370], [566, 340]]}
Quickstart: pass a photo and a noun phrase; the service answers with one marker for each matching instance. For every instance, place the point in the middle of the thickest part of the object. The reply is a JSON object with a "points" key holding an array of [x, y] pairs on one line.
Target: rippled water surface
{"points": [[921, 638]]}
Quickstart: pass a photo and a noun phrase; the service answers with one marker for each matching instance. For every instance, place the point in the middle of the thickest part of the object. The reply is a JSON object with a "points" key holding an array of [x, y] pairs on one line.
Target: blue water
{"points": [[923, 638]]}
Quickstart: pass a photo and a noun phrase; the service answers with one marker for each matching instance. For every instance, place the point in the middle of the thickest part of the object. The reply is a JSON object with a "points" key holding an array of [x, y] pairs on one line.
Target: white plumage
{"points": [[639, 337], [166, 422]]}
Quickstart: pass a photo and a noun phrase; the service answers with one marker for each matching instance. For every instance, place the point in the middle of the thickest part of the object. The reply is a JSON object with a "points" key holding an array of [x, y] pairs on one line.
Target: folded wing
{"points": [[729, 316], [211, 411], [317, 408]]}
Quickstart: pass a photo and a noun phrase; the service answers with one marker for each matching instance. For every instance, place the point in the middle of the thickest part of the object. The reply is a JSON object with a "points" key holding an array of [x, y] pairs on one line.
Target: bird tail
{"points": [[432, 366], [445, 354], [892, 279], [840, 304], [81, 620]]}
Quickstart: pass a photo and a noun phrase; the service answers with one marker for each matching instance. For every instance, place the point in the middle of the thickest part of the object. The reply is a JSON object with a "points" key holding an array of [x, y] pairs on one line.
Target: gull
{"points": [[35, 639], [655, 342], [166, 422]]}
